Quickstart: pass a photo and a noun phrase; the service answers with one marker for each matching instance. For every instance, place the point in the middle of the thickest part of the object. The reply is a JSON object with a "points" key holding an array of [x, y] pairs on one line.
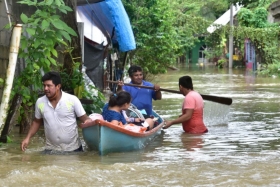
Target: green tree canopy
{"points": [[251, 3], [165, 29]]}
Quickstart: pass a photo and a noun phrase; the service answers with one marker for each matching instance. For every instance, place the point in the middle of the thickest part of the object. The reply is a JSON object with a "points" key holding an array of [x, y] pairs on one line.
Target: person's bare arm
{"points": [[33, 129], [86, 121], [181, 119], [158, 92], [120, 85], [84, 118]]}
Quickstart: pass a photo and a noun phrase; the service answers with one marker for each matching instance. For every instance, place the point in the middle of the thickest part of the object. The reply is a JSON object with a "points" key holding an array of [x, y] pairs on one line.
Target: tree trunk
{"points": [[27, 118], [12, 114], [70, 20]]}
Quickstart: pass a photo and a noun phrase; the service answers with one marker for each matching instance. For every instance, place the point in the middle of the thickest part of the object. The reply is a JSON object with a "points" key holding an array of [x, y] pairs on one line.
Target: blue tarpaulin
{"points": [[111, 19]]}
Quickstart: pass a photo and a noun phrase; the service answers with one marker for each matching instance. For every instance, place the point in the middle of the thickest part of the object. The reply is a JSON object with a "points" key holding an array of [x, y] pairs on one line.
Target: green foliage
{"points": [[256, 18], [98, 100], [186, 20], [153, 32], [260, 18], [221, 62], [73, 79], [209, 10], [45, 36], [38, 45], [265, 40], [270, 69], [264, 35], [253, 25], [216, 44], [9, 140], [43, 33], [245, 17], [1, 82], [252, 3], [163, 30]]}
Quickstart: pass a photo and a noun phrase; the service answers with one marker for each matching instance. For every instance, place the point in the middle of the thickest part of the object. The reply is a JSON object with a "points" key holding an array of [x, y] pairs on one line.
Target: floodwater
{"points": [[240, 149]]}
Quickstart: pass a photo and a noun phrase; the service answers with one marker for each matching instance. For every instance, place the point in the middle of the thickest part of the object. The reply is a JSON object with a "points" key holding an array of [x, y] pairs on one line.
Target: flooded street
{"points": [[240, 149]]}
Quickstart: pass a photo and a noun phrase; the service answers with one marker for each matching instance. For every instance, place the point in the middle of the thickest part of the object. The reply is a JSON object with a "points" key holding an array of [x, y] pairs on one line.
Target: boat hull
{"points": [[105, 138]]}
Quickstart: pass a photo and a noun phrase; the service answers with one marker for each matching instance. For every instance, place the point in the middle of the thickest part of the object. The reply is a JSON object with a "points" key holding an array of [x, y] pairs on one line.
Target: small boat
{"points": [[105, 137]]}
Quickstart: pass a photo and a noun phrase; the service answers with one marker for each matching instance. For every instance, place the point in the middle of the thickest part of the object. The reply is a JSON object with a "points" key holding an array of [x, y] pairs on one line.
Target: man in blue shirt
{"points": [[141, 97]]}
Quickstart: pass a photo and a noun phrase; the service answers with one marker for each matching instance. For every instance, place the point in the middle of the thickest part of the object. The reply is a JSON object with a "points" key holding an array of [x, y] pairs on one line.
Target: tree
{"points": [[47, 36], [156, 37], [165, 30], [251, 3], [75, 41], [46, 40]]}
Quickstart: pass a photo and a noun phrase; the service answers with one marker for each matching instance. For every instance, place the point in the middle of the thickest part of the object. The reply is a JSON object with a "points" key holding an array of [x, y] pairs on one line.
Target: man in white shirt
{"points": [[58, 111]]}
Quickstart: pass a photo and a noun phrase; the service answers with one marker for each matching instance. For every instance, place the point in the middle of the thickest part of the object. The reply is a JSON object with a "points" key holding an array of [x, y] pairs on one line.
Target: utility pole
{"points": [[231, 38]]}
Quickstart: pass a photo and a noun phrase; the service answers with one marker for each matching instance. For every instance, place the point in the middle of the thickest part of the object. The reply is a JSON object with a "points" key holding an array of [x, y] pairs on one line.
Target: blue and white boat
{"points": [[105, 137]]}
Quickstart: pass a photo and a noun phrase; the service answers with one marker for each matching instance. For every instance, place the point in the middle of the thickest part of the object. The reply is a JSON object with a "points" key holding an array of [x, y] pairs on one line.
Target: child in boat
{"points": [[133, 120], [112, 111], [138, 121]]}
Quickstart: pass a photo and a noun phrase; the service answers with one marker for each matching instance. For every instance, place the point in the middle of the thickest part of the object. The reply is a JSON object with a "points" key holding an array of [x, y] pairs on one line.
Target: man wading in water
{"points": [[192, 109], [57, 110]]}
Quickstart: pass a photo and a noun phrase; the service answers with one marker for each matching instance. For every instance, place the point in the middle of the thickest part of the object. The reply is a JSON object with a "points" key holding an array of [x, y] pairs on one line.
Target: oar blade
{"points": [[217, 99]]}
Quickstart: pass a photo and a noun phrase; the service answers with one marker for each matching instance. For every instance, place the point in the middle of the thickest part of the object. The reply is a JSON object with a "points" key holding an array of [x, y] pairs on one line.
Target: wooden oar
{"points": [[217, 99]]}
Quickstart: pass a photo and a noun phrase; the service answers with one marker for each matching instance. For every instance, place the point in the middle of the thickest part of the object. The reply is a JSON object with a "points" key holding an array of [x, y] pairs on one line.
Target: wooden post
{"points": [[14, 48]]}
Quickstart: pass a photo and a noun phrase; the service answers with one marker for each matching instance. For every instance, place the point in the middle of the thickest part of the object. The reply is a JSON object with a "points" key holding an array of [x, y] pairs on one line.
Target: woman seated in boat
{"points": [[112, 111]]}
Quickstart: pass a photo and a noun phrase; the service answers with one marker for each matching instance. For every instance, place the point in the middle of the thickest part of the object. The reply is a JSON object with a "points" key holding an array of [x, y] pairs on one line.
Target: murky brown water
{"points": [[241, 148]]}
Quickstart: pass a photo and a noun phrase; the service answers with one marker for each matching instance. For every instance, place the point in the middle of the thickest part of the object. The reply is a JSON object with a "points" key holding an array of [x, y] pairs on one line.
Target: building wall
{"points": [[195, 53], [274, 12], [192, 56]]}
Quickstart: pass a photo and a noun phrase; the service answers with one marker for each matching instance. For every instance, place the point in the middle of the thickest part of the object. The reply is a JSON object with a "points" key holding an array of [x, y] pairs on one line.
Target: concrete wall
{"points": [[274, 12]]}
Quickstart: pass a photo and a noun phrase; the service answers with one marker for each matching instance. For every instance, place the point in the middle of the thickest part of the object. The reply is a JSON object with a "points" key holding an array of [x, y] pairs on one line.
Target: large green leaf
{"points": [[66, 35], [58, 2], [52, 61], [69, 30], [54, 52], [57, 24], [31, 31], [23, 18], [68, 8], [64, 11], [45, 24], [23, 43], [48, 2], [37, 43]]}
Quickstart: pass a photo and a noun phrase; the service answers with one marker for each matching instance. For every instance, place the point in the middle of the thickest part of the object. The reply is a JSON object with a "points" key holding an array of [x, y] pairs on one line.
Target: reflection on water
{"points": [[191, 142], [240, 149]]}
